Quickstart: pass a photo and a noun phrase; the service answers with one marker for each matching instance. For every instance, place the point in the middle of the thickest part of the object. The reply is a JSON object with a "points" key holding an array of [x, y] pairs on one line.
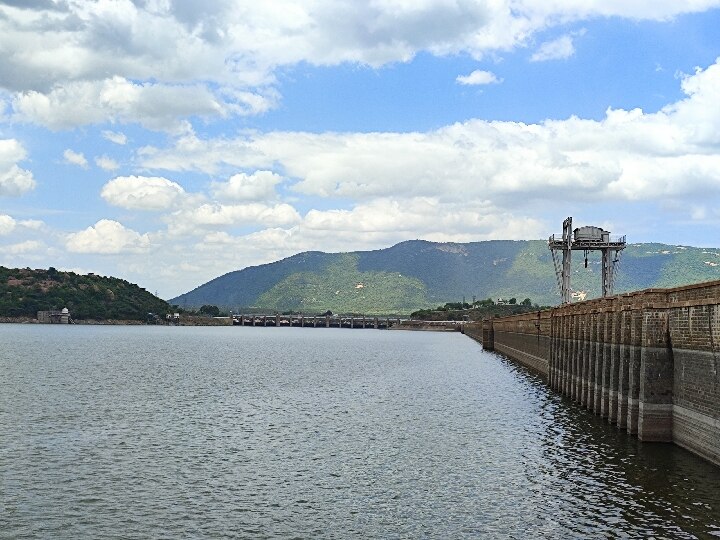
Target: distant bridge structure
{"points": [[585, 239], [316, 321]]}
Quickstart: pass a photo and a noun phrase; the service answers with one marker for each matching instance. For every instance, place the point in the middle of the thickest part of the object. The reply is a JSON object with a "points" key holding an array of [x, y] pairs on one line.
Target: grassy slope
{"points": [[342, 287], [24, 292], [418, 274]]}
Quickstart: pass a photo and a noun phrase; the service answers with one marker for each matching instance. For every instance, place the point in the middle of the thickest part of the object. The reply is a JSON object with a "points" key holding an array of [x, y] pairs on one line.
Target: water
{"points": [[130, 432]]}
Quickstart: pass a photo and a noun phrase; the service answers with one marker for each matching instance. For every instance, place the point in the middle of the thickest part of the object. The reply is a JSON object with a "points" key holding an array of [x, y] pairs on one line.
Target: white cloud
{"points": [[115, 137], [106, 163], [221, 215], [157, 62], [478, 77], [32, 224], [23, 248], [7, 224], [14, 181], [248, 187], [142, 193], [629, 155], [75, 158], [557, 49], [155, 106], [107, 237]]}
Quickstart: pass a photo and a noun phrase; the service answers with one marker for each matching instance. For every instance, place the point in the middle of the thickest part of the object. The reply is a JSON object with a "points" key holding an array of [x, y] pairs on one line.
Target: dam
{"points": [[646, 361]]}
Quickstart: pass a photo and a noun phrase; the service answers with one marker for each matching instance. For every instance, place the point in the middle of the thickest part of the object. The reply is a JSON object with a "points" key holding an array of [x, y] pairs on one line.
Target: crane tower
{"points": [[585, 239]]}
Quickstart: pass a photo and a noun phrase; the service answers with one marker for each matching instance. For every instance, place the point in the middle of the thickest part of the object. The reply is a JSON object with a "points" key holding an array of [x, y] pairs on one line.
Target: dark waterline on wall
{"points": [[152, 431]]}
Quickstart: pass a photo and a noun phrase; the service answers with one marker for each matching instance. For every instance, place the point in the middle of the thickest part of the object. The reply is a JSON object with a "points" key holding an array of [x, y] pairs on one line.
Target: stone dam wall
{"points": [[647, 361]]}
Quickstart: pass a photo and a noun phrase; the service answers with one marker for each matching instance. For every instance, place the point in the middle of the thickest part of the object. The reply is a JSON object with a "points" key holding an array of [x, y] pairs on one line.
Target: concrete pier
{"points": [[316, 321]]}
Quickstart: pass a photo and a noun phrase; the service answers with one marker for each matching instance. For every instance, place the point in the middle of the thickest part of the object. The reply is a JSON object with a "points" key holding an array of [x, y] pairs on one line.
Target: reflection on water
{"points": [[273, 432]]}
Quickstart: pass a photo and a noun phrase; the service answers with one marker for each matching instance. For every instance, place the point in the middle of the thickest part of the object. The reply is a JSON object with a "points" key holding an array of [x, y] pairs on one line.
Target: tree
{"points": [[526, 302], [212, 311], [513, 301]]}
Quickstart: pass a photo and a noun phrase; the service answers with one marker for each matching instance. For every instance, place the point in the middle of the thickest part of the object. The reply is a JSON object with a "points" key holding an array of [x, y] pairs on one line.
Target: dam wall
{"points": [[647, 361]]}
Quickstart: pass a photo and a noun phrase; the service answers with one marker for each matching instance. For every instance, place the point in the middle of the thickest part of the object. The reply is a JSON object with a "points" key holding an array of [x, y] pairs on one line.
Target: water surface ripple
{"points": [[169, 432]]}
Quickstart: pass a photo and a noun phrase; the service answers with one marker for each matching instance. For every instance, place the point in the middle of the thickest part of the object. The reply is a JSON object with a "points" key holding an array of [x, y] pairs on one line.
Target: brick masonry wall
{"points": [[648, 361]]}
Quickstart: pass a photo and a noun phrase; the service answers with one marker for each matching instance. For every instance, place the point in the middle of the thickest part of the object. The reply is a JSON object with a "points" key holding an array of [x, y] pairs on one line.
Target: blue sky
{"points": [[170, 141]]}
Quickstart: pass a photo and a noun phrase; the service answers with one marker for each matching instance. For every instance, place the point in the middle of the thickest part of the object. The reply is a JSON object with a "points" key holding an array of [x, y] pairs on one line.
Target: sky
{"points": [[168, 142]]}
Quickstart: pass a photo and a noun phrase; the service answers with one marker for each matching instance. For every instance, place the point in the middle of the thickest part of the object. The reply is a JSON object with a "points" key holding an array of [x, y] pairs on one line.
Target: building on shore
{"points": [[54, 317]]}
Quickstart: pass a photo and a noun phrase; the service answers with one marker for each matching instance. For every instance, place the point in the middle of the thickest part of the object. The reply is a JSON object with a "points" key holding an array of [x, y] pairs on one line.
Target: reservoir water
{"points": [[209, 432]]}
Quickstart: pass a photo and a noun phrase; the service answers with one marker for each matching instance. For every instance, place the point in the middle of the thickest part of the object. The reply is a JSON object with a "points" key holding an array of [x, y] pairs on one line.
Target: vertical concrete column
{"points": [[578, 356], [592, 360], [636, 325], [624, 369], [560, 365], [555, 343], [614, 367], [488, 341], [656, 378], [599, 354], [607, 349], [571, 356], [584, 358], [587, 357], [327, 321], [375, 324], [577, 348], [567, 354], [552, 351]]}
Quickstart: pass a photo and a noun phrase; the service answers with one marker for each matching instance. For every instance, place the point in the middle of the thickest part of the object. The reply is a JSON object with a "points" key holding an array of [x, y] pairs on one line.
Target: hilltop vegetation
{"points": [[24, 292], [418, 275], [463, 311]]}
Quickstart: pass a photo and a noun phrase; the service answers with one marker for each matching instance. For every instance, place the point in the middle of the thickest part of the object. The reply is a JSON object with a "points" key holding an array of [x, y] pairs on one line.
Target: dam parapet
{"points": [[647, 361]]}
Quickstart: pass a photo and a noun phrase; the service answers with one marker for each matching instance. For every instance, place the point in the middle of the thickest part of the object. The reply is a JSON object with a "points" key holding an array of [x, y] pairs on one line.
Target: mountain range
{"points": [[420, 274]]}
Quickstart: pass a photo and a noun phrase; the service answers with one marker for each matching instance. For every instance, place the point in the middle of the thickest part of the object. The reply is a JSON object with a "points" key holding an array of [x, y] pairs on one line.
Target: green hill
{"points": [[419, 274], [24, 292]]}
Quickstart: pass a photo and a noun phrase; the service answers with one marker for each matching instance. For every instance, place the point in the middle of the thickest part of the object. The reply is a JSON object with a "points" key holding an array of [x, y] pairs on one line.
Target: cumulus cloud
{"points": [[7, 224], [14, 181], [107, 237], [142, 193], [155, 106], [72, 63], [214, 215], [478, 77], [75, 158], [629, 154], [257, 186], [557, 49], [115, 137], [23, 248], [106, 163], [428, 217]]}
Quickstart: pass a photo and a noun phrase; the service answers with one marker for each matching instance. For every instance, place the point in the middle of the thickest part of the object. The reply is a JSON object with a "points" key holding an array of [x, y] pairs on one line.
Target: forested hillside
{"points": [[24, 292]]}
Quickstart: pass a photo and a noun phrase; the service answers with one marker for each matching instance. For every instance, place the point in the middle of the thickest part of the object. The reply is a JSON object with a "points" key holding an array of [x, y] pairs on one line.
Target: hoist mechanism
{"points": [[585, 239]]}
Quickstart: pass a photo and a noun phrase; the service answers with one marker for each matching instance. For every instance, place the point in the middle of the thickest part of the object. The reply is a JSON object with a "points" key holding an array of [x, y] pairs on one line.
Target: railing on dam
{"points": [[648, 361], [316, 321]]}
